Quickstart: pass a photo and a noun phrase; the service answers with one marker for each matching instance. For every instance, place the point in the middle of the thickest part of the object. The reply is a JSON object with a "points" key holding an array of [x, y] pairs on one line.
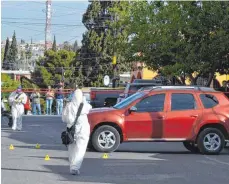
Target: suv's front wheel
{"points": [[211, 141], [106, 139]]}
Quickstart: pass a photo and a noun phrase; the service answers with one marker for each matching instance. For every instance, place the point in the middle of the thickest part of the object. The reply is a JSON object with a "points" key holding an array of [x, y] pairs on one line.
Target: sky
{"points": [[27, 18]]}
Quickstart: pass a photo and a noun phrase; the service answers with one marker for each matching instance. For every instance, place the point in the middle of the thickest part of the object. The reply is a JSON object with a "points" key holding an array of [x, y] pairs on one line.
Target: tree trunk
{"points": [[211, 76], [194, 79]]}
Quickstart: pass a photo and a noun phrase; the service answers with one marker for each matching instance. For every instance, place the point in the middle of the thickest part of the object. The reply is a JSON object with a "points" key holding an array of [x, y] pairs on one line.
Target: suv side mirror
{"points": [[133, 109]]}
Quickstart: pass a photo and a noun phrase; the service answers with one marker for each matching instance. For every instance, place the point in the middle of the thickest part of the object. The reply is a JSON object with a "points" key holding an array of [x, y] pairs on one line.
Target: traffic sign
{"points": [[106, 80]]}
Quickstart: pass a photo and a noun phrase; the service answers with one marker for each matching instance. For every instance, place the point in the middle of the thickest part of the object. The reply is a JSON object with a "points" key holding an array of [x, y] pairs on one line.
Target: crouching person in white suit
{"points": [[77, 149], [17, 100]]}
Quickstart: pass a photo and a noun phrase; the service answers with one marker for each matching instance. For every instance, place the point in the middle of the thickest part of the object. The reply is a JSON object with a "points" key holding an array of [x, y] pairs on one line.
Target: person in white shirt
{"points": [[17, 100]]}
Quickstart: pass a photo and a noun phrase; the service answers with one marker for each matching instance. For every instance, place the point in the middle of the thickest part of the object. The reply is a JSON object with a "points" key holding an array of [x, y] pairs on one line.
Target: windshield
{"points": [[128, 100]]}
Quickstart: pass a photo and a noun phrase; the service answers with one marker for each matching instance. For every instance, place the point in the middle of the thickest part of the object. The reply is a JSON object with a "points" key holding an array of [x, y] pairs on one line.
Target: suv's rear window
{"points": [[182, 101], [208, 100]]}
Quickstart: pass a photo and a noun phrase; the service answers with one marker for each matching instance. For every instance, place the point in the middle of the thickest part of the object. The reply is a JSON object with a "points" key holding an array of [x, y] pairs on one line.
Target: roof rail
{"points": [[178, 87]]}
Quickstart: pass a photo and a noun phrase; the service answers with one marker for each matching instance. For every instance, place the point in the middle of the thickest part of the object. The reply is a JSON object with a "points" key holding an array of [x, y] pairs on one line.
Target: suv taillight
{"points": [[93, 95]]}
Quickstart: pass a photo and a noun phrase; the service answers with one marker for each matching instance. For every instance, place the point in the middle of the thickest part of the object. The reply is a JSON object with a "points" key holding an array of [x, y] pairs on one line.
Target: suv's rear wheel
{"points": [[106, 139], [211, 141], [191, 147]]}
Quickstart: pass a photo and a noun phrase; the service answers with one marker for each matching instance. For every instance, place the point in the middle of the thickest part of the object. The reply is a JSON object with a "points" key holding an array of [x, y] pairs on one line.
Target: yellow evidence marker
{"points": [[105, 156], [11, 147], [38, 146], [47, 157]]}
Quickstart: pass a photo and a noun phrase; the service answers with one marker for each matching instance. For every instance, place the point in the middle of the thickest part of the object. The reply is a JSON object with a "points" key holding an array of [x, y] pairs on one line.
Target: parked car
{"points": [[104, 97], [153, 81], [107, 97], [132, 88], [196, 116]]}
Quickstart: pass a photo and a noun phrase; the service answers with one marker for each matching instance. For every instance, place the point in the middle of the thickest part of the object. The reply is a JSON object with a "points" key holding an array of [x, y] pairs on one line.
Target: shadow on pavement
{"points": [[167, 152], [160, 152], [101, 170], [108, 171], [56, 158], [44, 147], [29, 170], [44, 131]]}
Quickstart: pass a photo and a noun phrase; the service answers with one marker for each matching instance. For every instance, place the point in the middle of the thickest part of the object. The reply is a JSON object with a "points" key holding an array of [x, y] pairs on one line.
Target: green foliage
{"points": [[99, 44], [54, 66], [28, 84], [54, 44], [13, 49], [176, 37], [2, 54], [5, 55], [8, 85], [7, 49]]}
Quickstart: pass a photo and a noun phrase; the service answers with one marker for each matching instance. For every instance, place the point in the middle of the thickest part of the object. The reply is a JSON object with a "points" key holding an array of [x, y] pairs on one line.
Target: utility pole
{"points": [[62, 73], [114, 62], [48, 39]]}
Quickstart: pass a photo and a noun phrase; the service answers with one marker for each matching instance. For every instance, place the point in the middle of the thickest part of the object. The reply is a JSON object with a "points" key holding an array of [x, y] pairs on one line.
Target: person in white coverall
{"points": [[77, 150], [17, 99]]}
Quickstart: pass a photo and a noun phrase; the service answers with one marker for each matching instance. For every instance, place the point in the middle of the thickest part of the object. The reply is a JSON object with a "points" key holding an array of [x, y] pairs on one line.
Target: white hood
{"points": [[71, 109]]}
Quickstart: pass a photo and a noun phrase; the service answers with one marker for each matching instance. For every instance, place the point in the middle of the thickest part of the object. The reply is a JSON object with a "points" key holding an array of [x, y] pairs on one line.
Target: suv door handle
{"points": [[160, 117], [194, 115]]}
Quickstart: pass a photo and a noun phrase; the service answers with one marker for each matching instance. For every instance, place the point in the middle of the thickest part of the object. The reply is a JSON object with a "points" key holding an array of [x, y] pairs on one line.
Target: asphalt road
{"points": [[157, 163]]}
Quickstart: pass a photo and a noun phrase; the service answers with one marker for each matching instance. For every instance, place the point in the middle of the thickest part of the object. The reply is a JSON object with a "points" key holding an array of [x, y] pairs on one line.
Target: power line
{"points": [[19, 18], [40, 24], [64, 14], [54, 5], [22, 27], [24, 18]]}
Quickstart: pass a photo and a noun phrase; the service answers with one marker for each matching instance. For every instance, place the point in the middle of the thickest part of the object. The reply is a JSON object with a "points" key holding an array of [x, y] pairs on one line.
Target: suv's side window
{"points": [[154, 103], [182, 101], [208, 101]]}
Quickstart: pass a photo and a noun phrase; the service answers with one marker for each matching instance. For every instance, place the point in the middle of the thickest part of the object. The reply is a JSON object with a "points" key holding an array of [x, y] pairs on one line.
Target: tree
{"points": [[2, 54], [67, 46], [28, 52], [8, 83], [98, 47], [182, 39], [55, 67], [54, 44], [13, 49], [6, 54], [22, 41], [75, 46]]}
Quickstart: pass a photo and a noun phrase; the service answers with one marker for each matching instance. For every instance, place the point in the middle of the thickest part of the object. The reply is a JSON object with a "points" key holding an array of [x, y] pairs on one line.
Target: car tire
{"points": [[204, 141], [191, 147], [90, 146], [102, 136]]}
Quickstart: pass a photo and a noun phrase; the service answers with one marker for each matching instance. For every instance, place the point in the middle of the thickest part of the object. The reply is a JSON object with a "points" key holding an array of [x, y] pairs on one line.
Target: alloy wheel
{"points": [[106, 139]]}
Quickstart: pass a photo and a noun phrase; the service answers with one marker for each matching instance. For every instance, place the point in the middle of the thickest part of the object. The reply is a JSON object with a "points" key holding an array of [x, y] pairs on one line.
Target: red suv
{"points": [[196, 116]]}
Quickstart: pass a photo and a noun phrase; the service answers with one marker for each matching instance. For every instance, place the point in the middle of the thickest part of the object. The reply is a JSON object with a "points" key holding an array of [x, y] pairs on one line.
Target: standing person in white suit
{"points": [[77, 149], [17, 100]]}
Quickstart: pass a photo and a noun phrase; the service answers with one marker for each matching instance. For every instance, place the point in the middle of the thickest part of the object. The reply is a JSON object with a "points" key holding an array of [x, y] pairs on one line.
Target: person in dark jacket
{"points": [[59, 101]]}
